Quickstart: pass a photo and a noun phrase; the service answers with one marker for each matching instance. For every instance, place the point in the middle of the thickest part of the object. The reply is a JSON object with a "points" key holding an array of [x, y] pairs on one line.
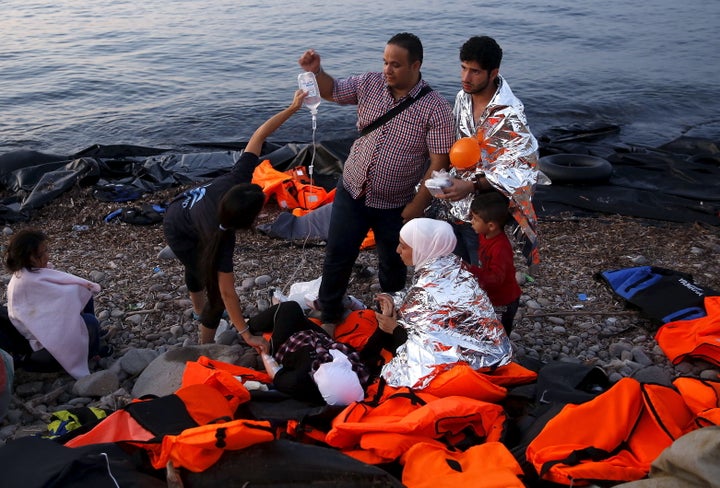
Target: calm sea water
{"points": [[165, 73]]}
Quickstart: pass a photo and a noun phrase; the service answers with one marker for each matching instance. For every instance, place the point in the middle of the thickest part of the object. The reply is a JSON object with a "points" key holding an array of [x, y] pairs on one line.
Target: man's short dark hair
{"points": [[411, 43], [483, 50], [491, 206]]}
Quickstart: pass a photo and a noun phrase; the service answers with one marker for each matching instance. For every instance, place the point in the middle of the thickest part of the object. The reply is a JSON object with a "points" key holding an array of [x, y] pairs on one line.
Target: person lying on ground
{"points": [[52, 309], [200, 227], [448, 318], [304, 361]]}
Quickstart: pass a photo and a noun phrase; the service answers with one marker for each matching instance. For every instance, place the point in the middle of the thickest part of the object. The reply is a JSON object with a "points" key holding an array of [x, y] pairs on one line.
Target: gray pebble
{"points": [[617, 348], [684, 368], [135, 361], [639, 355], [709, 374], [136, 319], [247, 284], [227, 338], [653, 374], [97, 276], [615, 377], [263, 281], [96, 384], [79, 401], [28, 389]]}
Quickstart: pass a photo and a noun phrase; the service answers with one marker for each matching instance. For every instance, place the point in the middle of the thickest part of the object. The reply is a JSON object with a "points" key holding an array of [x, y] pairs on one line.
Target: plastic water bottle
{"points": [[307, 82]]}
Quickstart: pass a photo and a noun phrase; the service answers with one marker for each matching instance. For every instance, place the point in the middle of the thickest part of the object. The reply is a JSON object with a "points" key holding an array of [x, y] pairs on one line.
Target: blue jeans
{"points": [[467, 242], [93, 327], [349, 224]]}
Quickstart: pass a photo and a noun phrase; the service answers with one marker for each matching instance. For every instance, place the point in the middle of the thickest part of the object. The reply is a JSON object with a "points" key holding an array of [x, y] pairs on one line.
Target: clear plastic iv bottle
{"points": [[307, 82]]}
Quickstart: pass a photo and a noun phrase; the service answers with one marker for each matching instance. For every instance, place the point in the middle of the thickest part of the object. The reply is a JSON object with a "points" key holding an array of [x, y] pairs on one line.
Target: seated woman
{"points": [[304, 361], [447, 317], [53, 310]]}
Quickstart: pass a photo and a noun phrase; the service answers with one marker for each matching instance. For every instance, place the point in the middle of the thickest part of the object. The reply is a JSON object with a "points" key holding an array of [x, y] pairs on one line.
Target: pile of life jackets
{"points": [[291, 189], [294, 191], [617, 435]]}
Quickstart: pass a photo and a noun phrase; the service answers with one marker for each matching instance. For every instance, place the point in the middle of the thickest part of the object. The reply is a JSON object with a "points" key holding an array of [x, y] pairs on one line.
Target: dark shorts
{"points": [[187, 250]]}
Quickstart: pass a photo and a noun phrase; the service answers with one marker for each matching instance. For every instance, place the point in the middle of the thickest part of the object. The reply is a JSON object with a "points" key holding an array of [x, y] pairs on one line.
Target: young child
{"points": [[496, 274], [52, 309]]}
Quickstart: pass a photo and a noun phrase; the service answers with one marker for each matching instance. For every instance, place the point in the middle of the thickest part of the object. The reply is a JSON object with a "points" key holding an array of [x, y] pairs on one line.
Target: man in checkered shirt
{"points": [[378, 187]]}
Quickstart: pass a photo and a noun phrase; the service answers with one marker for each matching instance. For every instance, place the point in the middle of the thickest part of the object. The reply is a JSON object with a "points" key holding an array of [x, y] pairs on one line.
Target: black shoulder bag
{"points": [[394, 111]]}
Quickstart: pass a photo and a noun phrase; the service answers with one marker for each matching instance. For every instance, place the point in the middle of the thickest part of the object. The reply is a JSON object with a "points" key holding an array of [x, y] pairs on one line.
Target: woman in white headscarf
{"points": [[448, 318]]}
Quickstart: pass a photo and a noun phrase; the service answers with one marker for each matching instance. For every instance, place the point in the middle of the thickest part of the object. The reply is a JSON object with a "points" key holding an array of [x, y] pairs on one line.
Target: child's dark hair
{"points": [[238, 208], [23, 248], [491, 207]]}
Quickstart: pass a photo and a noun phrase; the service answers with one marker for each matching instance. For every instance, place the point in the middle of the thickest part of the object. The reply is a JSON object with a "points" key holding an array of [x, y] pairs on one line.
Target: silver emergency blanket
{"points": [[449, 319], [509, 151]]}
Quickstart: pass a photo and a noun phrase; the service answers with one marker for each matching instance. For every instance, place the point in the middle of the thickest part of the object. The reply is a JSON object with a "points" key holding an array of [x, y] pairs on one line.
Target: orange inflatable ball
{"points": [[465, 153]]}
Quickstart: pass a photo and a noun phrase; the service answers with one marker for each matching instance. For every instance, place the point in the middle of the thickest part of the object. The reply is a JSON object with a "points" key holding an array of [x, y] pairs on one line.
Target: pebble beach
{"points": [[566, 313]]}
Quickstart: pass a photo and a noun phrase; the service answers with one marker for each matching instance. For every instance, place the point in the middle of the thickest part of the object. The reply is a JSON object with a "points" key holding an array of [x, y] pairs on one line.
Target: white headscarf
{"points": [[428, 238]]}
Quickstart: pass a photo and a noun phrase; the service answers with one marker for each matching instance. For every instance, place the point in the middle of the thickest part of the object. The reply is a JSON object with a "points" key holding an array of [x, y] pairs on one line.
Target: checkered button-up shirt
{"points": [[386, 164], [319, 345]]}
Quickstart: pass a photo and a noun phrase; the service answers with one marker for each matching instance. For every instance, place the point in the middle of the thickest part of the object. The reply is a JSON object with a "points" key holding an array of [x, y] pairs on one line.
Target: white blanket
{"points": [[45, 306]]}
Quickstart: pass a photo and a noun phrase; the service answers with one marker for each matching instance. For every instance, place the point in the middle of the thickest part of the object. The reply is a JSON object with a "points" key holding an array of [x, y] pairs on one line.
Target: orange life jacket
{"points": [[142, 420], [198, 448], [462, 380], [695, 338], [224, 377], [292, 191], [613, 437], [702, 397], [490, 465], [512, 374], [290, 188], [356, 328], [382, 429]]}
